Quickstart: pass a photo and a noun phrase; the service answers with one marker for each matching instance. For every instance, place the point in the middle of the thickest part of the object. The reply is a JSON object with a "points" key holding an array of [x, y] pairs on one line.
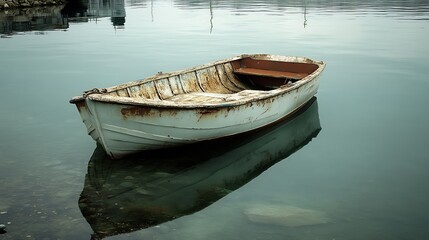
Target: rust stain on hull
{"points": [[141, 111], [136, 111], [206, 113], [80, 106]]}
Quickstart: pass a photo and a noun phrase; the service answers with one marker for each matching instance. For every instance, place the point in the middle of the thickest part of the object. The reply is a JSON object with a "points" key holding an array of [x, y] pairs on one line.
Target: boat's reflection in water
{"points": [[144, 190]]}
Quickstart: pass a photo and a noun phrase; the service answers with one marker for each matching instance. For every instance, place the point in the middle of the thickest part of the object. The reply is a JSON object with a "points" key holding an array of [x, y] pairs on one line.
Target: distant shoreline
{"points": [[13, 4]]}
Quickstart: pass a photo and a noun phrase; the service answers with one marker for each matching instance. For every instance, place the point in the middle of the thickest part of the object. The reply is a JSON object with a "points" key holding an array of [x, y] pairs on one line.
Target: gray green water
{"points": [[367, 169]]}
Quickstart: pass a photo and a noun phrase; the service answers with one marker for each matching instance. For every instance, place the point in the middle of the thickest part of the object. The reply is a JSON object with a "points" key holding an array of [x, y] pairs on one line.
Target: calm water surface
{"points": [[365, 173]]}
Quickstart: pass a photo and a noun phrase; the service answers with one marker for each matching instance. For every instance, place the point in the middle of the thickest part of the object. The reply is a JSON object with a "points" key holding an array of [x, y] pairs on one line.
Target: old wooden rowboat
{"points": [[215, 100]]}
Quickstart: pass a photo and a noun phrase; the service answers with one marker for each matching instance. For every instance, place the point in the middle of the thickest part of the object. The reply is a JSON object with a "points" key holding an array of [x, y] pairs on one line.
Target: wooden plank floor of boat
{"points": [[204, 97]]}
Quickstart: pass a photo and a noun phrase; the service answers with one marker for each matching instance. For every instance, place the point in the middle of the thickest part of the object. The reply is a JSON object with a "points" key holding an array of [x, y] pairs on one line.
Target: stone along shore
{"points": [[8, 4]]}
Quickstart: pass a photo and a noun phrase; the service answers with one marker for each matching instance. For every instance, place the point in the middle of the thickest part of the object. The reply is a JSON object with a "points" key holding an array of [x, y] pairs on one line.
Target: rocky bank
{"points": [[9, 4]]}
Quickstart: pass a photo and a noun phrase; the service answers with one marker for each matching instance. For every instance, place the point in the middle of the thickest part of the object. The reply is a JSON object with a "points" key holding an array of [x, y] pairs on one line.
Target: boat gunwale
{"points": [[157, 103]]}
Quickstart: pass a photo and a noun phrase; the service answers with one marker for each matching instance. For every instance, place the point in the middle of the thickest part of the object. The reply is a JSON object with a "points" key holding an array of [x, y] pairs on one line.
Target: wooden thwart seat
{"points": [[270, 73]]}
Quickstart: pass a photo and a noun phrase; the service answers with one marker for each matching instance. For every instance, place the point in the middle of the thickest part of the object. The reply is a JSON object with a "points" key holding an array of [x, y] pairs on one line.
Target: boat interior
{"points": [[232, 80]]}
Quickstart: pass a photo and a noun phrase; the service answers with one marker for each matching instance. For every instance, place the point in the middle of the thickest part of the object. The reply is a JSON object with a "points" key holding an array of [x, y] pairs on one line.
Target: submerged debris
{"points": [[285, 215]]}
